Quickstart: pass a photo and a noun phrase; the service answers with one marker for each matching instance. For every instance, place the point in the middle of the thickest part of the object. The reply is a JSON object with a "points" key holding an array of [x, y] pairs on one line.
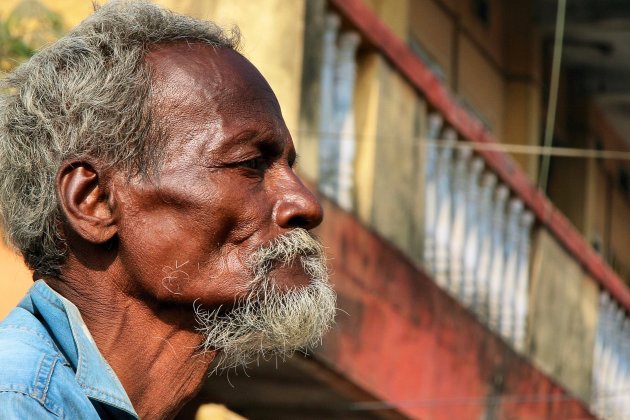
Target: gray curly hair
{"points": [[86, 95]]}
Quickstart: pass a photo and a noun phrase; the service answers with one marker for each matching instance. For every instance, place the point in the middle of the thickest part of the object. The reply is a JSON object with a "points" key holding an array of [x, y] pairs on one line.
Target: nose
{"points": [[297, 207]]}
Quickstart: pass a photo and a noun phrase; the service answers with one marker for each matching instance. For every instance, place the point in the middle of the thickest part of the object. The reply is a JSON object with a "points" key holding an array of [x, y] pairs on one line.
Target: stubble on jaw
{"points": [[269, 321]]}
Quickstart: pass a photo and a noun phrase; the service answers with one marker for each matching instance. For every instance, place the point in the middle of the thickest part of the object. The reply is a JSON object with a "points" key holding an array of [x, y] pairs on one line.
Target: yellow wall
{"points": [[367, 97], [481, 84], [396, 200], [561, 313], [394, 13], [435, 29]]}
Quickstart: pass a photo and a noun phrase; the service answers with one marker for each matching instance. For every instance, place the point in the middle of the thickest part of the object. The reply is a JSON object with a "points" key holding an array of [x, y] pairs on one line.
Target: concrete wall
{"points": [[433, 26], [523, 82], [562, 316], [397, 162], [480, 84]]}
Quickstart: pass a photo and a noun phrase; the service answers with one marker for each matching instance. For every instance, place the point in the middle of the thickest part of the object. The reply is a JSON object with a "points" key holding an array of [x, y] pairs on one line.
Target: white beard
{"points": [[270, 322]]}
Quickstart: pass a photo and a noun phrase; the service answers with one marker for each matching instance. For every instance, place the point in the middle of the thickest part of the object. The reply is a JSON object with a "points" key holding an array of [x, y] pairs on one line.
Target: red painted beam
{"points": [[405, 341], [379, 36]]}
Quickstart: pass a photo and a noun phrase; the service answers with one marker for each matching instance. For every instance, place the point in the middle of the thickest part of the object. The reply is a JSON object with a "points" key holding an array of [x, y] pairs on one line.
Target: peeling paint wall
{"points": [[563, 316], [404, 340]]}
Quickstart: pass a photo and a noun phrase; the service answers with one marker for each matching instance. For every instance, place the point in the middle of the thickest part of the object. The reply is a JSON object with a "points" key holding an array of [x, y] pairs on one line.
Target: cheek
{"points": [[242, 213], [193, 242]]}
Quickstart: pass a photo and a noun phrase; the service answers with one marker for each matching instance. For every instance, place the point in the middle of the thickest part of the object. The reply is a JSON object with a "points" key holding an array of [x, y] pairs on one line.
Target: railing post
{"points": [[599, 356], [498, 255], [472, 241], [328, 147], [508, 292], [482, 275], [443, 219], [522, 280], [458, 222], [344, 116], [430, 191]]}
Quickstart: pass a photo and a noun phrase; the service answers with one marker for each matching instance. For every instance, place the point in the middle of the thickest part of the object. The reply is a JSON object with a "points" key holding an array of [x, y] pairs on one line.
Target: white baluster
{"points": [[609, 326], [508, 289], [458, 223], [344, 113], [618, 391], [473, 240], [443, 219], [611, 365], [522, 280], [624, 382], [434, 126], [598, 353], [498, 254], [328, 146], [482, 277], [430, 191]]}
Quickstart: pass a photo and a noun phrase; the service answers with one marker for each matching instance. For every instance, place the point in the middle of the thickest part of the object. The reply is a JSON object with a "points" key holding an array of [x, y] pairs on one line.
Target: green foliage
{"points": [[27, 28]]}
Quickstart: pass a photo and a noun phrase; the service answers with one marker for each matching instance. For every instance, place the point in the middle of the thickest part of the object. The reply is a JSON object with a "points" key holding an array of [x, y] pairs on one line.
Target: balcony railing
{"points": [[476, 238], [480, 214]]}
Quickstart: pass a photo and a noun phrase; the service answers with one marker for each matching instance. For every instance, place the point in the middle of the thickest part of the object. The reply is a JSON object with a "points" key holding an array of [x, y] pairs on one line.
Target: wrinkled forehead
{"points": [[197, 79]]}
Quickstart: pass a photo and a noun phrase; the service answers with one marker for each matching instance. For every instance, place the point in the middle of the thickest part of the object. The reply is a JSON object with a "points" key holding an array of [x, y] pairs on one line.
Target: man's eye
{"points": [[256, 164]]}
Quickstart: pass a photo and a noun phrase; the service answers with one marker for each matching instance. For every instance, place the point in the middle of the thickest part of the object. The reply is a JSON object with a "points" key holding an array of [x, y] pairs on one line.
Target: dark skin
{"points": [[141, 251]]}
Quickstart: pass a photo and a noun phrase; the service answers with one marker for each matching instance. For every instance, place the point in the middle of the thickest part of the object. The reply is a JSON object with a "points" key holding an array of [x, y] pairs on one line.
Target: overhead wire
{"points": [[553, 93], [512, 148]]}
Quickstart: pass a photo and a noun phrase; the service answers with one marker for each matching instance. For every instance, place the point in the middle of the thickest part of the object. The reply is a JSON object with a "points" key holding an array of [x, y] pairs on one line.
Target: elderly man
{"points": [[147, 177]]}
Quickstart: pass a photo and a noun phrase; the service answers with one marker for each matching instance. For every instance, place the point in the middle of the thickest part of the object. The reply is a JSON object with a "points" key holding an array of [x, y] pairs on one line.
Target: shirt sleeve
{"points": [[17, 406]]}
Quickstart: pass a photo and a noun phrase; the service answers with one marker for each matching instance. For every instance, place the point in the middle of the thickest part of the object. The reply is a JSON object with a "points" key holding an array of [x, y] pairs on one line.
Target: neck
{"points": [[152, 347]]}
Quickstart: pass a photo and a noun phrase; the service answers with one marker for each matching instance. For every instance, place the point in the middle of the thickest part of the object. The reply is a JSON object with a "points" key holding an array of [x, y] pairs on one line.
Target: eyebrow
{"points": [[265, 138]]}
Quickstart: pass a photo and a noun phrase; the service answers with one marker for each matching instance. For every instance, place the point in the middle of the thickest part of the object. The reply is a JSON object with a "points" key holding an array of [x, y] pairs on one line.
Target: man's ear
{"points": [[85, 202]]}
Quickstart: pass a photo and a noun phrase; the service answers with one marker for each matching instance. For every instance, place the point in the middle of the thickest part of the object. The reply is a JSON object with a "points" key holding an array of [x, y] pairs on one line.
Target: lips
{"points": [[285, 275]]}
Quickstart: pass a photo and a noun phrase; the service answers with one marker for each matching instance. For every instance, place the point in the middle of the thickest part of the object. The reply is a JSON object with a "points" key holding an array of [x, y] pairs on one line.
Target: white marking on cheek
{"points": [[175, 278]]}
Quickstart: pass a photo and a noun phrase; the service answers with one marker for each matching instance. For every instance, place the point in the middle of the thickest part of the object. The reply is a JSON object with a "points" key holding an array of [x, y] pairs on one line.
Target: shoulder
{"points": [[34, 375], [17, 405], [27, 360]]}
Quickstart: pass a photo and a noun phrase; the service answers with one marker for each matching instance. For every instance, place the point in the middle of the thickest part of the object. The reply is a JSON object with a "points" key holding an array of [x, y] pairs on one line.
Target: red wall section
{"points": [[407, 342]]}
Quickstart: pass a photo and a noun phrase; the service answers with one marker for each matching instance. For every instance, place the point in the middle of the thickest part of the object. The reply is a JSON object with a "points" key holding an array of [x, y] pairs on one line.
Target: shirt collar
{"points": [[93, 373]]}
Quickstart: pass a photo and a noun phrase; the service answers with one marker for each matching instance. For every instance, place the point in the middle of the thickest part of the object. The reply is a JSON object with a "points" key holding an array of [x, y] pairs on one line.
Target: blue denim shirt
{"points": [[50, 366]]}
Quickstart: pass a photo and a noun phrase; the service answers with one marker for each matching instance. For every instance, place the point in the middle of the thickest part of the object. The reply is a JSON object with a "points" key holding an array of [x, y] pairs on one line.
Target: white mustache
{"points": [[287, 248]]}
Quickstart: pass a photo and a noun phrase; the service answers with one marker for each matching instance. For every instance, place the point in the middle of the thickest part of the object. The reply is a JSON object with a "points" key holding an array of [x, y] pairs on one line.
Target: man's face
{"points": [[226, 187]]}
